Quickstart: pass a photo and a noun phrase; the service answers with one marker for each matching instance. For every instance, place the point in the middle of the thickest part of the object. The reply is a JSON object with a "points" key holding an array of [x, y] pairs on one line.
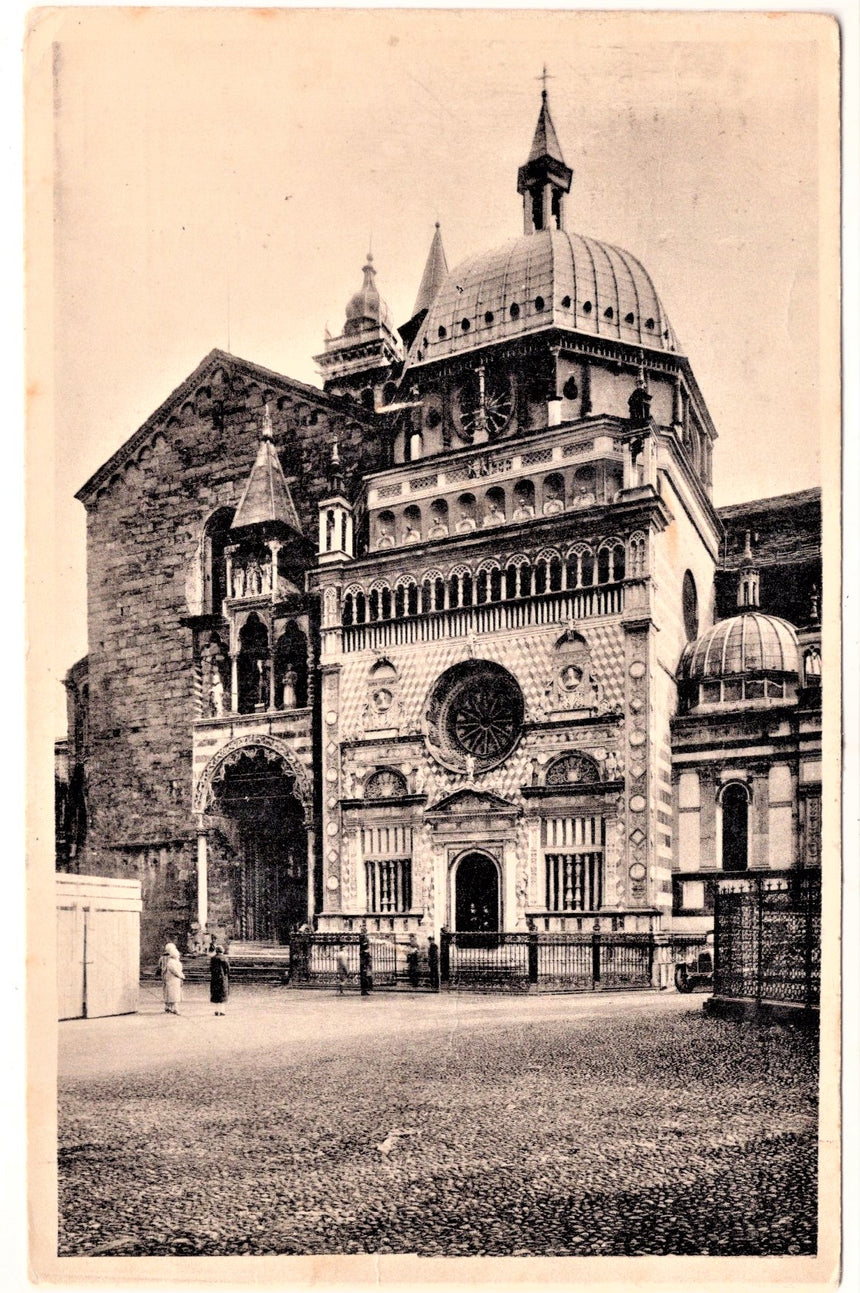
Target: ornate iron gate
{"points": [[767, 937]]}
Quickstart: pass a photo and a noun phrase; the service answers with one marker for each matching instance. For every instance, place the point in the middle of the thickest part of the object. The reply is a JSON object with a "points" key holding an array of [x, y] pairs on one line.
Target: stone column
{"points": [[234, 682], [202, 880], [311, 853]]}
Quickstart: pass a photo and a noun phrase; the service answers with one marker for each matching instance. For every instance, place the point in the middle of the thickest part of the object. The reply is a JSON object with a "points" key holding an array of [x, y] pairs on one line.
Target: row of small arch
{"points": [[580, 568], [554, 497]]}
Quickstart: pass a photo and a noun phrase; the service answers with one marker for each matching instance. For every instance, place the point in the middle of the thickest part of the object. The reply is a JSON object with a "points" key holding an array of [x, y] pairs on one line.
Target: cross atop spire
{"points": [[544, 76]]}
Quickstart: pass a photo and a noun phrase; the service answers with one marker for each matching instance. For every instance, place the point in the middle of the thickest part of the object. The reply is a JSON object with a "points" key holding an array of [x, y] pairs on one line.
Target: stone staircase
{"points": [[249, 963]]}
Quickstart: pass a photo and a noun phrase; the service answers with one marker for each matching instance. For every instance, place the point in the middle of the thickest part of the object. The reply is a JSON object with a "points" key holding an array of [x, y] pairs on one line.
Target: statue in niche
{"points": [[238, 581], [386, 534], [216, 693], [470, 767], [418, 781], [611, 766], [524, 511], [253, 578], [494, 515], [289, 699], [466, 522], [639, 404], [266, 575], [410, 534], [262, 684], [439, 530]]}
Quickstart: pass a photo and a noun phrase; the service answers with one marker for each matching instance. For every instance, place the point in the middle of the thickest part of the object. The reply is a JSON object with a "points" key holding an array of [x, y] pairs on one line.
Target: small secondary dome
{"points": [[366, 309], [541, 280], [744, 644]]}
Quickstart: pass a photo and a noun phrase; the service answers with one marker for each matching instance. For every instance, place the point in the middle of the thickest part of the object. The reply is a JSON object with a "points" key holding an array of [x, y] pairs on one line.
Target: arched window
{"points": [[412, 599], [373, 605], [215, 539], [426, 596], [690, 605], [494, 507], [253, 665], [385, 609], [439, 593], [511, 582], [603, 566], [399, 602], [588, 568], [360, 608], [481, 587], [385, 530], [348, 612], [495, 585], [735, 804]]}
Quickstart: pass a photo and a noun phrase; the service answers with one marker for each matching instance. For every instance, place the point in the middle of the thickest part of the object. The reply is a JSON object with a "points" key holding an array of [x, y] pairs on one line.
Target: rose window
{"points": [[475, 716]]}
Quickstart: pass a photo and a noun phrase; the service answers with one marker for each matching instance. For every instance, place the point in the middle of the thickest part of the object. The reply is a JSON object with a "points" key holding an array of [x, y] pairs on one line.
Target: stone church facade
{"points": [[458, 640]]}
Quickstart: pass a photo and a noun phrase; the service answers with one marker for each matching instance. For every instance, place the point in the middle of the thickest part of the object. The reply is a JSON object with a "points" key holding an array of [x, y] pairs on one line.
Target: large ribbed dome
{"points": [[748, 643], [550, 278]]}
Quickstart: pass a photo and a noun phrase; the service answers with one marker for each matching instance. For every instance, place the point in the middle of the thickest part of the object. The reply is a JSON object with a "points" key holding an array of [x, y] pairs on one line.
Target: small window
{"points": [[443, 332], [571, 390], [754, 688], [465, 325], [693, 895], [609, 313], [489, 317], [515, 310], [629, 318], [539, 303], [733, 689], [690, 605], [587, 307], [650, 325], [565, 302], [776, 690], [711, 693]]}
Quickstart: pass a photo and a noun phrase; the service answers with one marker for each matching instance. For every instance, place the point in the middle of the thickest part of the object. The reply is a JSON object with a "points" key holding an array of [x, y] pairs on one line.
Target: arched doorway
{"points": [[265, 826], [476, 894]]}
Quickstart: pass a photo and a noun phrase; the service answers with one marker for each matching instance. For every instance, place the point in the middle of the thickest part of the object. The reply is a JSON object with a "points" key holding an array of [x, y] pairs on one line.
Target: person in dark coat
{"points": [[219, 980], [412, 961], [433, 963]]}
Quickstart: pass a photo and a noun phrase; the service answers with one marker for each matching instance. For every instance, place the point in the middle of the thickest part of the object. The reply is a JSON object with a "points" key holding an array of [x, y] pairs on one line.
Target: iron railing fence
{"points": [[767, 937], [313, 961], [544, 962]]}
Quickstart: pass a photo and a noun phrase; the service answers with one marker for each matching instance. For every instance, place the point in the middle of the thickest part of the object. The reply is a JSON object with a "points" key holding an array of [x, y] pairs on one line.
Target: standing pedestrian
{"points": [[412, 961], [433, 963], [219, 980], [342, 968], [172, 976]]}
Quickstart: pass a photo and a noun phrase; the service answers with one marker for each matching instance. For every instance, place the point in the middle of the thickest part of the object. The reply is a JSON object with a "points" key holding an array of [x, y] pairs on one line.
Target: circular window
{"points": [[475, 715], [690, 602], [571, 390]]}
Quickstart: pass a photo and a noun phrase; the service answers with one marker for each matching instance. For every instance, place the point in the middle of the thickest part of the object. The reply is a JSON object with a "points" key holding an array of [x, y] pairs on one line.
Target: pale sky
{"points": [[219, 176]]}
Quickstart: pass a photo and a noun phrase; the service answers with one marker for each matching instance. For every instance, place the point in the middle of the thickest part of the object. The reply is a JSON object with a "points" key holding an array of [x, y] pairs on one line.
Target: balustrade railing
{"points": [[489, 617]]}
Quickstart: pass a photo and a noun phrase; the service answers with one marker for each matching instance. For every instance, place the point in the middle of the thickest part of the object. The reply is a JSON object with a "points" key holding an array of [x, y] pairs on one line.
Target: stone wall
{"points": [[145, 525]]}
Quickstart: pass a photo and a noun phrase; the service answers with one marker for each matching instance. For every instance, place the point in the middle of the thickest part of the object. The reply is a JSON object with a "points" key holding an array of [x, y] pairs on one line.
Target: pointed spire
{"points": [[435, 273], [545, 142], [267, 496], [545, 179]]}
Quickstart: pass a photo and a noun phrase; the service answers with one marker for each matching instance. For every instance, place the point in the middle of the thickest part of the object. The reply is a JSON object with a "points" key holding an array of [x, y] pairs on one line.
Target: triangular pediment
{"points": [[220, 376], [472, 803]]}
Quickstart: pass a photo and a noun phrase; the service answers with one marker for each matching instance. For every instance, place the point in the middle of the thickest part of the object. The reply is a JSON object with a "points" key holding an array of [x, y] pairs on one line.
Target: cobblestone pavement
{"points": [[304, 1123]]}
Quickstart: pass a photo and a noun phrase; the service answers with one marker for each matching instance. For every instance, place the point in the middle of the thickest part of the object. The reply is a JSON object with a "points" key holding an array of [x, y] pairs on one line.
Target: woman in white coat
{"points": [[172, 977]]}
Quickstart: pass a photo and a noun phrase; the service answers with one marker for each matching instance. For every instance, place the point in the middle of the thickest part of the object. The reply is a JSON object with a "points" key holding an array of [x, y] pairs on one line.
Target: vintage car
{"points": [[696, 970]]}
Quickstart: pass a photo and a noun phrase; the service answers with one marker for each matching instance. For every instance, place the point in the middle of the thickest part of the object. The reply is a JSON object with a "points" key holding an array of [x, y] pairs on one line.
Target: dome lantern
{"points": [[544, 179]]}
